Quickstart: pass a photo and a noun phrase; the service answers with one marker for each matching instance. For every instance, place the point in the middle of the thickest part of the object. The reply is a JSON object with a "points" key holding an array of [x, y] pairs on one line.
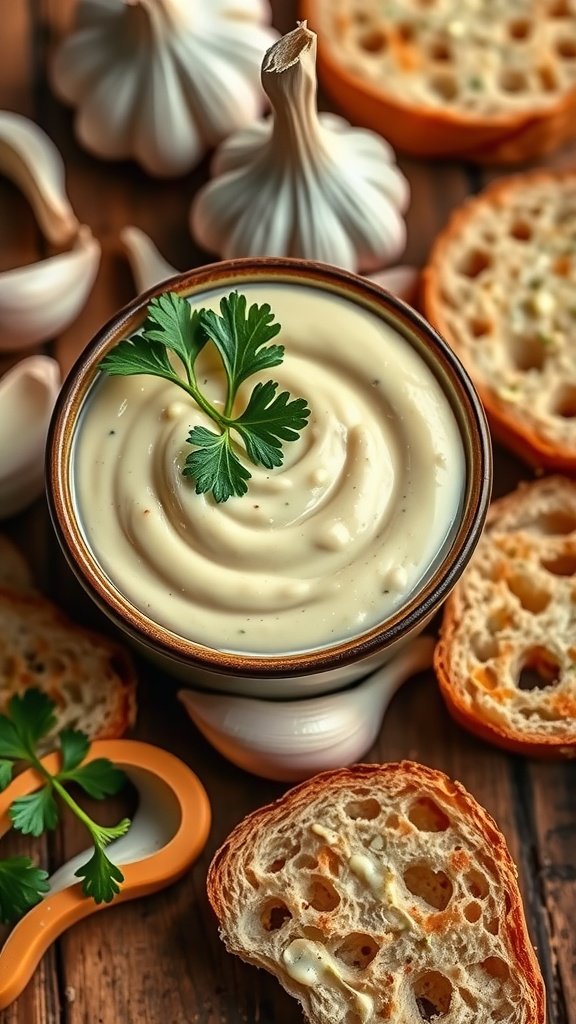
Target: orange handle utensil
{"points": [[169, 831]]}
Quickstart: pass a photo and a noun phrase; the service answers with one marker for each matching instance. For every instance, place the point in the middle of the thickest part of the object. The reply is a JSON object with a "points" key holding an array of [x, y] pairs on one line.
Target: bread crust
{"points": [[42, 660], [526, 438], [240, 855], [548, 729], [509, 137]]}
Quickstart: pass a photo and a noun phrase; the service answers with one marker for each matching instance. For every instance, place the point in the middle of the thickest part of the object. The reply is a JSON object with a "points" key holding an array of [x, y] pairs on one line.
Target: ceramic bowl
{"points": [[285, 675]]}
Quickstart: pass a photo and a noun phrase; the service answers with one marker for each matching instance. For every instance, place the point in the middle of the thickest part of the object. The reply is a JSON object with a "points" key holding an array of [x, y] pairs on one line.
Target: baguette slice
{"points": [[492, 83], [380, 893], [14, 570], [506, 658], [90, 678], [500, 286]]}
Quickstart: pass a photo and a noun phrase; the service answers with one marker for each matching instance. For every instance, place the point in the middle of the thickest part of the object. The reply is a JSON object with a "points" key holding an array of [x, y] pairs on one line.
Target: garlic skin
{"points": [[30, 159], [303, 184], [162, 81], [27, 395], [147, 263], [39, 300]]}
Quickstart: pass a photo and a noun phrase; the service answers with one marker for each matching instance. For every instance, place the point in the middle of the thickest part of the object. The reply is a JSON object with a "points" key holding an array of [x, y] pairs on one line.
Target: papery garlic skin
{"points": [[30, 159], [27, 396], [162, 81], [303, 184], [41, 299]]}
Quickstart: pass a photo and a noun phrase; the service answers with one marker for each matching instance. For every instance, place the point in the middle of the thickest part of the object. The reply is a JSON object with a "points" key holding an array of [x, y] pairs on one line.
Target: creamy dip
{"points": [[319, 550]]}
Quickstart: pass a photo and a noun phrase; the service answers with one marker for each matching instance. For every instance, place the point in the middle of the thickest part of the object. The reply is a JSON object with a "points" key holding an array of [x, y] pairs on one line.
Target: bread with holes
{"points": [[90, 678], [493, 83], [14, 569], [380, 894], [506, 657], [500, 286]]}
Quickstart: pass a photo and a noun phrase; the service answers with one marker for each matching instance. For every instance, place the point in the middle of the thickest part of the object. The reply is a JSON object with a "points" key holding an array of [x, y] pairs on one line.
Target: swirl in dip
{"points": [[319, 550]]}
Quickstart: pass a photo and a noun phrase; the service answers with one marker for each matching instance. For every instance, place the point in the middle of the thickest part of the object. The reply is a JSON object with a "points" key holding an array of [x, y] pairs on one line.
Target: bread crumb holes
{"points": [[367, 809], [357, 950], [427, 816], [477, 884], [533, 599], [433, 994], [473, 912], [558, 523], [519, 29], [566, 48], [474, 263], [273, 915], [373, 41], [322, 895], [496, 968], [281, 857], [565, 404], [538, 670], [433, 887], [562, 565]]}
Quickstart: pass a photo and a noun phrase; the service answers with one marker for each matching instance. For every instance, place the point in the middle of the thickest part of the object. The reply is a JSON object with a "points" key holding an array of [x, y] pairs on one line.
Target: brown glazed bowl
{"points": [[325, 668]]}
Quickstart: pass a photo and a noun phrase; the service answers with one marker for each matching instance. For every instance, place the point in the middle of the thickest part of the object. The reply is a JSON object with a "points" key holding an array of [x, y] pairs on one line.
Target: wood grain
{"points": [[160, 960]]}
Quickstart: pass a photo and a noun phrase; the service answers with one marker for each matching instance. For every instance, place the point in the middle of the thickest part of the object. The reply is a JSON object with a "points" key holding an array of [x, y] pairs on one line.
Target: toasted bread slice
{"points": [[14, 570], [500, 285], [380, 893], [90, 678], [506, 658], [493, 84]]}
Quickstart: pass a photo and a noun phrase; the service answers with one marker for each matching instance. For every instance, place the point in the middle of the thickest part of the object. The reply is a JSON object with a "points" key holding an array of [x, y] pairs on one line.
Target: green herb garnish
{"points": [[29, 720], [240, 335]]}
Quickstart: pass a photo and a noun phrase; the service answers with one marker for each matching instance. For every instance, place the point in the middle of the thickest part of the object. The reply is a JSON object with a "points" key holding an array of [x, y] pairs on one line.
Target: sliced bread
{"points": [[500, 286], [90, 678], [506, 658], [494, 82], [380, 893]]}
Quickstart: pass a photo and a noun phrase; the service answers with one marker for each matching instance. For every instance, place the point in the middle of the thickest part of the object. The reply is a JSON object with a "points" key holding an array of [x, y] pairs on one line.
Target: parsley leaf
{"points": [[6, 768], [30, 717], [269, 419], [22, 886], [36, 813], [101, 877], [241, 336], [98, 778], [74, 746], [215, 466]]}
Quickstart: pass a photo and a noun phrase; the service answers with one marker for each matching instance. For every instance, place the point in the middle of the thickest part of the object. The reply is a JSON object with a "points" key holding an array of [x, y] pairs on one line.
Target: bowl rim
{"points": [[427, 597]]}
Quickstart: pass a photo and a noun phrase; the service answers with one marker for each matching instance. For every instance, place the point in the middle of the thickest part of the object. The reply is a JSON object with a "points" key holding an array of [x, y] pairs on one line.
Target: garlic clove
{"points": [[401, 281], [293, 739], [27, 395], [38, 301], [30, 159], [147, 264], [162, 80], [302, 184]]}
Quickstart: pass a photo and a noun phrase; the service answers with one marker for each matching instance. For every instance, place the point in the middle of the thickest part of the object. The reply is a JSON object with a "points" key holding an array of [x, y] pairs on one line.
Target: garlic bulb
{"points": [[40, 300], [27, 395], [301, 183], [162, 80], [30, 159]]}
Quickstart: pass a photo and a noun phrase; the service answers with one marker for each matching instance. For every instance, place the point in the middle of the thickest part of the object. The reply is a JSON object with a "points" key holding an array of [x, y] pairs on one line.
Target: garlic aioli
{"points": [[317, 551]]}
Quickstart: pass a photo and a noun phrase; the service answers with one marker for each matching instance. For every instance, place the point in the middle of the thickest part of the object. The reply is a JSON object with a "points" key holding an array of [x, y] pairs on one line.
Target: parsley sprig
{"points": [[241, 336], [29, 720]]}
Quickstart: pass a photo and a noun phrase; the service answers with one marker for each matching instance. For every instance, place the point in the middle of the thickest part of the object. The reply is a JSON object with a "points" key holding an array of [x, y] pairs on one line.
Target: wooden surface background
{"points": [[159, 960]]}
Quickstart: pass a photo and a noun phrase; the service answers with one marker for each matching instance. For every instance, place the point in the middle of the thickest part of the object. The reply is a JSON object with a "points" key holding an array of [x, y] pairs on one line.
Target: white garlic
{"points": [[27, 395], [293, 739], [38, 301], [30, 159], [301, 183], [162, 80], [147, 264]]}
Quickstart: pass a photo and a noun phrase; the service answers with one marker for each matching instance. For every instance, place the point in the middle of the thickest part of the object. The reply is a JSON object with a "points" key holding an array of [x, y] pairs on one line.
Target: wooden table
{"points": [[159, 960]]}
